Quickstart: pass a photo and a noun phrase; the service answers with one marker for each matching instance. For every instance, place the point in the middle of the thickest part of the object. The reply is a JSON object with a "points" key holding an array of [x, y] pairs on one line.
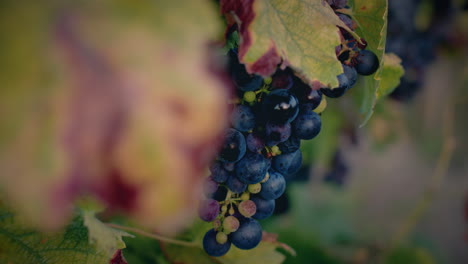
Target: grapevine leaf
{"points": [[265, 252], [371, 18], [391, 74], [107, 239], [110, 98], [24, 245], [303, 33]]}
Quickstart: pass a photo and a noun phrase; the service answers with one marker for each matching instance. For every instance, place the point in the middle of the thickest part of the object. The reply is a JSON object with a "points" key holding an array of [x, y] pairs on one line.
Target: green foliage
{"points": [[105, 238], [304, 34], [391, 73], [22, 245], [409, 255], [371, 17]]}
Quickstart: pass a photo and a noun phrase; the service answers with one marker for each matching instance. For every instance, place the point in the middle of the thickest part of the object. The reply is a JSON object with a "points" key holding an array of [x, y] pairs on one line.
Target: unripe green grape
{"points": [[250, 97], [267, 176], [247, 208], [216, 224], [254, 188], [231, 211], [267, 80], [224, 208], [230, 224], [245, 196], [221, 238], [323, 104]]}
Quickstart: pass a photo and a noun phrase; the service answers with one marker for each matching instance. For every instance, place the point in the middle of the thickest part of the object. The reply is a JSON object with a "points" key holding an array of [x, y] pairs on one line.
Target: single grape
{"points": [[307, 125], [367, 62], [209, 186], [230, 224], [321, 107], [288, 164], [347, 21], [254, 188], [235, 185], [292, 144], [245, 196], [280, 107], [220, 193], [274, 187], [242, 118], [282, 79], [234, 147], [208, 210], [252, 168], [351, 74], [212, 247], [247, 208], [241, 78], [221, 238], [250, 97], [276, 133], [345, 81], [343, 86], [248, 235], [255, 143], [265, 208], [218, 173]]}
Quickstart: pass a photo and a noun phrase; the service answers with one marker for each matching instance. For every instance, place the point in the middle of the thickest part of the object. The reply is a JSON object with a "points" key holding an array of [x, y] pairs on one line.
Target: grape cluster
{"points": [[261, 150]]}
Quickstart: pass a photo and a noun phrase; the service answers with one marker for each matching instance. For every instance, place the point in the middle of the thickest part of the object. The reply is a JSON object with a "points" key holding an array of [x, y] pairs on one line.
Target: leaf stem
{"points": [[154, 236]]}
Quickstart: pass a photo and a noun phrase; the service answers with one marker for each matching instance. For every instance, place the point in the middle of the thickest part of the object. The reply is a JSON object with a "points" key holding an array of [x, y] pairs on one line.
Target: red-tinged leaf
{"points": [[300, 34], [110, 98], [118, 258]]}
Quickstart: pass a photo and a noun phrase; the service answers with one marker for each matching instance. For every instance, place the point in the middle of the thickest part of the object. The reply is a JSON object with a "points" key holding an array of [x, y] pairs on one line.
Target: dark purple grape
{"points": [[280, 107], [345, 81], [233, 148], [367, 62], [307, 125], [276, 133], [241, 78], [248, 235], [235, 185], [252, 168], [274, 187], [242, 118], [255, 143], [219, 194], [218, 173], [208, 210], [351, 74], [265, 208], [282, 79], [305, 93], [347, 21], [288, 164], [292, 144], [212, 247]]}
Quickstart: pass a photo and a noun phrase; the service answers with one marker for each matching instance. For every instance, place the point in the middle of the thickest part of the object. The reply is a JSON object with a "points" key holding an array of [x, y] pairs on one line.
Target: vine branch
{"points": [[153, 236]]}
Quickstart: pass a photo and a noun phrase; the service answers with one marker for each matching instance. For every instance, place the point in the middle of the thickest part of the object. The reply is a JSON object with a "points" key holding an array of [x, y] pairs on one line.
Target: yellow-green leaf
{"points": [[371, 17], [391, 73], [22, 245], [303, 33]]}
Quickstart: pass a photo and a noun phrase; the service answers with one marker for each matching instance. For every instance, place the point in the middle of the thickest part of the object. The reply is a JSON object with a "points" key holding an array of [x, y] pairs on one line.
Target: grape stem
{"points": [[154, 236]]}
